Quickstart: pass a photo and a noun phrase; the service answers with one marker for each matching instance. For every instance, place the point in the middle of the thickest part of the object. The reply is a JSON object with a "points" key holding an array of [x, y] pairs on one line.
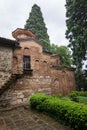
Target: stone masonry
{"points": [[23, 118], [41, 71], [5, 64]]}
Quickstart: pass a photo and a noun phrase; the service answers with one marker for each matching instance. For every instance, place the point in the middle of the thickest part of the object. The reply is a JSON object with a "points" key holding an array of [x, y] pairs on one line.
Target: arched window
{"points": [[56, 83], [36, 60], [26, 50], [45, 62], [37, 64], [45, 65]]}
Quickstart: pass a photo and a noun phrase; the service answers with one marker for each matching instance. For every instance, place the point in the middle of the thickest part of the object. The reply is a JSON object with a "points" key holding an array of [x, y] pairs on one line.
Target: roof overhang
{"points": [[8, 42], [20, 31]]}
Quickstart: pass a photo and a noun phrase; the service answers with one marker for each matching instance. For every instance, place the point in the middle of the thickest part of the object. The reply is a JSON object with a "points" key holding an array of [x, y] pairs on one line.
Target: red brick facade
{"points": [[40, 70]]}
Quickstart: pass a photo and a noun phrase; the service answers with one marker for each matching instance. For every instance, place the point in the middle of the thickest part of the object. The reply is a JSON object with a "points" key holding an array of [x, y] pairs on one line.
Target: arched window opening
{"points": [[26, 50], [37, 64], [36, 60], [45, 67], [56, 83], [45, 62]]}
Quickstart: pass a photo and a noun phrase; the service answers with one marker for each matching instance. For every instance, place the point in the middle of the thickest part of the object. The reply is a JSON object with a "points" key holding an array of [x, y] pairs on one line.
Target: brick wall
{"points": [[56, 82], [44, 78], [46, 74]]}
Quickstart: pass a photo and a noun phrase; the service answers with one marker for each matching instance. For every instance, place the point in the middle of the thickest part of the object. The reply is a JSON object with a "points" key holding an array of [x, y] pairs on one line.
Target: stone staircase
{"points": [[11, 79], [4, 103]]}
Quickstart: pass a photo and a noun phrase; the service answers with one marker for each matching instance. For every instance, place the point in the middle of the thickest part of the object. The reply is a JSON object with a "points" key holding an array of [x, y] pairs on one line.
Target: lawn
{"points": [[62, 109], [82, 99]]}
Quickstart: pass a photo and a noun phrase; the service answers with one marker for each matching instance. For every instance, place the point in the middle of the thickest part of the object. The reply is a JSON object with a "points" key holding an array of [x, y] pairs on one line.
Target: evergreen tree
{"points": [[36, 24], [76, 13], [65, 54]]}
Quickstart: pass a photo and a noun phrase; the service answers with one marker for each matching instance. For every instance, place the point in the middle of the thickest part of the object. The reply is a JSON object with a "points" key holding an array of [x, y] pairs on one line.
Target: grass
{"points": [[66, 98], [82, 99]]}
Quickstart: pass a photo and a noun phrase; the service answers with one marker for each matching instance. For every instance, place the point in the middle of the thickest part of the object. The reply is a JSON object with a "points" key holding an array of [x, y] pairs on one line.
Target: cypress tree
{"points": [[76, 13], [35, 23]]}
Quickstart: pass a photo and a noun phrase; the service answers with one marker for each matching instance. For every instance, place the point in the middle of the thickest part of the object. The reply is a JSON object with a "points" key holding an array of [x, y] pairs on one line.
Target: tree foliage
{"points": [[65, 54], [76, 13], [36, 24]]}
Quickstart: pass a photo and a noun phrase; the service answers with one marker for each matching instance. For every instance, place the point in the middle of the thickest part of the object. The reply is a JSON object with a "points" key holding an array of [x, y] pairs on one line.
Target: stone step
{"points": [[10, 81]]}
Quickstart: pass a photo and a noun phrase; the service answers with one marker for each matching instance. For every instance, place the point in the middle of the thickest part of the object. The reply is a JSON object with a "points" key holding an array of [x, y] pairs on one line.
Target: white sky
{"points": [[14, 14]]}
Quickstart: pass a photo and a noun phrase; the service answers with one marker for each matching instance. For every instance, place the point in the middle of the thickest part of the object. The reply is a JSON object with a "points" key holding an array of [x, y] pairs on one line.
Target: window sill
{"points": [[27, 71]]}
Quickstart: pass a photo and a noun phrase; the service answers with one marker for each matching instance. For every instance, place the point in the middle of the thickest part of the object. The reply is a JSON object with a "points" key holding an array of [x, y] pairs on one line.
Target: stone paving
{"points": [[22, 118]]}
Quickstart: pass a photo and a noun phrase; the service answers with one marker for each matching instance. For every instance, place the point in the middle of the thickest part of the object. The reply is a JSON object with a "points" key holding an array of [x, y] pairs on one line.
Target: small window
{"points": [[26, 61]]}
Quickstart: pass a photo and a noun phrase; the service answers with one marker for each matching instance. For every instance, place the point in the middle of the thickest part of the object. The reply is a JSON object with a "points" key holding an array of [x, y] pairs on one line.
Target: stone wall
{"points": [[57, 82], [17, 64], [63, 81], [23, 88], [5, 64], [45, 76]]}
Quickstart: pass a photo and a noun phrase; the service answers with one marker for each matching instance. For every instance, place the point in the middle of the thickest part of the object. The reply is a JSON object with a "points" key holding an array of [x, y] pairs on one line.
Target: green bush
{"points": [[58, 95], [82, 99], [74, 96], [69, 112], [80, 93], [37, 99]]}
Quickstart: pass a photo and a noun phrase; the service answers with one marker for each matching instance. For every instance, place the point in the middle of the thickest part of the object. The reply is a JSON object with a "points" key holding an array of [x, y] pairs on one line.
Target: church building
{"points": [[25, 69]]}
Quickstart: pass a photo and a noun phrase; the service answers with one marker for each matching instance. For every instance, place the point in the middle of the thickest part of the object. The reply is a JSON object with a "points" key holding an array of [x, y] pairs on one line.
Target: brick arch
{"points": [[36, 64], [44, 61], [36, 60], [26, 51], [56, 82], [45, 65], [56, 86]]}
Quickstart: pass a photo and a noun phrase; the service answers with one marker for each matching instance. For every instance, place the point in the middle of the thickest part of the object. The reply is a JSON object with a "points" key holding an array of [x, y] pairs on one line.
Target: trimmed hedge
{"points": [[37, 99], [79, 93], [68, 112]]}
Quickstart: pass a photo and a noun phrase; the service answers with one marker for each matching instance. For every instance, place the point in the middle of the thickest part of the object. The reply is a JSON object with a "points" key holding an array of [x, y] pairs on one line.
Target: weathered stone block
{"points": [[47, 74]]}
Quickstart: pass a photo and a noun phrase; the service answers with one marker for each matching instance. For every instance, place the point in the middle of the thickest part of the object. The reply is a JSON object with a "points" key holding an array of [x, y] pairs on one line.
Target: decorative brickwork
{"points": [[41, 71]]}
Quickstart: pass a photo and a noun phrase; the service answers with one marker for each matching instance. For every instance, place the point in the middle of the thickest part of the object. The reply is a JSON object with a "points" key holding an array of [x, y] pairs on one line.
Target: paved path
{"points": [[23, 118]]}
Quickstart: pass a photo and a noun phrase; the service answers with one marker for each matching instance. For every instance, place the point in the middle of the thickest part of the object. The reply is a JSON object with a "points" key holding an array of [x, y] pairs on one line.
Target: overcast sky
{"points": [[14, 14]]}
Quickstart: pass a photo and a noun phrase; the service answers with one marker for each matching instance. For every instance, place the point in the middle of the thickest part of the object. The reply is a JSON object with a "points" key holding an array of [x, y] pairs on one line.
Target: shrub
{"points": [[80, 93], [37, 99], [74, 96], [69, 112]]}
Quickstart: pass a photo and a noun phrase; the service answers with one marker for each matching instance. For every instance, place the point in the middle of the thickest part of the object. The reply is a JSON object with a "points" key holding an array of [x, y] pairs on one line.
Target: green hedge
{"points": [[79, 93], [68, 112], [37, 99]]}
